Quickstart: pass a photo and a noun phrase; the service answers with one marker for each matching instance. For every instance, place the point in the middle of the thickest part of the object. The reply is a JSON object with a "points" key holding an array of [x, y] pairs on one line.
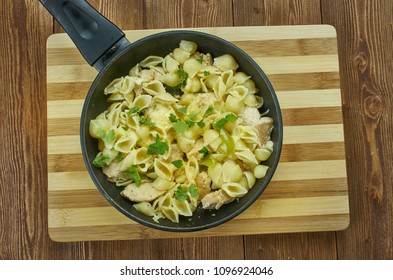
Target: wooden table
{"points": [[364, 32]]}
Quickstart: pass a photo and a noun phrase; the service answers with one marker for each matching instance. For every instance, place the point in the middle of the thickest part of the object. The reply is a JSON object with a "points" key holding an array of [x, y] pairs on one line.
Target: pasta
{"points": [[181, 131]]}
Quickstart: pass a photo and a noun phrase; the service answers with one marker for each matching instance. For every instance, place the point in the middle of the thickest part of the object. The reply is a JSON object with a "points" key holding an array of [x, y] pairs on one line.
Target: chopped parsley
{"points": [[182, 110], [146, 121], [204, 151], [177, 163], [107, 137], [101, 160], [183, 81], [180, 126], [157, 148], [181, 192], [133, 111], [119, 157], [206, 73], [133, 173], [200, 58], [208, 112], [222, 122]]}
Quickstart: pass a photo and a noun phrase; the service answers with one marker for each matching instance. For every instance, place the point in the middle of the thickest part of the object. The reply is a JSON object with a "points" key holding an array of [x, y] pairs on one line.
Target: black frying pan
{"points": [[105, 47]]}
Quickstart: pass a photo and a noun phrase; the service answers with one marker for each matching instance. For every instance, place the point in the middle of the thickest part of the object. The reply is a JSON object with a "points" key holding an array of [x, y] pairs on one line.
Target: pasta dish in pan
{"points": [[181, 131]]}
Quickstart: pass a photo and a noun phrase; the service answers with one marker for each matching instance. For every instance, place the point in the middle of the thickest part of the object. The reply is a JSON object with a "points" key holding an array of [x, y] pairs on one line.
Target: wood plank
{"points": [[366, 57], [180, 14], [25, 25], [273, 12]]}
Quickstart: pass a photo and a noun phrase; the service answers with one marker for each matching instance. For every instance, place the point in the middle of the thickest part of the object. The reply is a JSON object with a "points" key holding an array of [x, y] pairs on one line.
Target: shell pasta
{"points": [[183, 131]]}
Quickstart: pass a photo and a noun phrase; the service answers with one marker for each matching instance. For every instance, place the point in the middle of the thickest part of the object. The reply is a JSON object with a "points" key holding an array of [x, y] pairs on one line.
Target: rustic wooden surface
{"points": [[365, 31]]}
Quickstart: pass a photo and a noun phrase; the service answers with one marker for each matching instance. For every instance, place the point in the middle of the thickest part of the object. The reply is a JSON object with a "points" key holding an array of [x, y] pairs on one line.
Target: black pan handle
{"points": [[97, 39]]}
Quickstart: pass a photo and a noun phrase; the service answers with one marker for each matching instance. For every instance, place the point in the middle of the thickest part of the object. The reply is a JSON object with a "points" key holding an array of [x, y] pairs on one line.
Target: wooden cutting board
{"points": [[309, 190]]}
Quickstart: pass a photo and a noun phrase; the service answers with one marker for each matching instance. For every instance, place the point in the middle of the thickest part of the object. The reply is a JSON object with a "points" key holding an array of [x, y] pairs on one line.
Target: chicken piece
{"points": [[250, 115], [176, 153], [194, 153], [262, 125], [264, 128], [216, 199], [141, 193], [113, 170], [203, 182], [150, 75]]}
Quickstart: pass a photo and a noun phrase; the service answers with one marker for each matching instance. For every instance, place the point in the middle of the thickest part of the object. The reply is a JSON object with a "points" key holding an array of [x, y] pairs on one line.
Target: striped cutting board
{"points": [[309, 190]]}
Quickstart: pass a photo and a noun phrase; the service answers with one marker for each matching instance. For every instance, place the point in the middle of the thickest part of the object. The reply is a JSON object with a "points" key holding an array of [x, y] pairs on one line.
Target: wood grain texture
{"points": [[365, 41], [75, 204]]}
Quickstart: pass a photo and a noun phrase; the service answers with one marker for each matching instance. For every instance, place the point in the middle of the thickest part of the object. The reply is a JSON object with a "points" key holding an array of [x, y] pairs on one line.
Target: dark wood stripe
{"points": [[313, 151], [76, 199], [65, 163], [280, 82], [59, 127], [312, 116], [67, 91], [306, 188], [289, 153]]}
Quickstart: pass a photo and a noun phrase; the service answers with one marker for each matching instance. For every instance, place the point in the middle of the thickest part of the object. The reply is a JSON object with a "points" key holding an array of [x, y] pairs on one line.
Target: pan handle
{"points": [[97, 39]]}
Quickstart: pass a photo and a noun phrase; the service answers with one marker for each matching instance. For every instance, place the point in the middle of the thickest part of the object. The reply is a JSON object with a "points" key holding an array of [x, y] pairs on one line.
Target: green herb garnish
{"points": [[119, 157], [180, 126], [206, 73], [133, 173], [204, 151], [182, 110], [157, 148], [208, 112], [146, 121], [222, 122], [193, 190], [177, 163], [101, 160], [181, 192], [133, 111], [200, 58], [173, 118]]}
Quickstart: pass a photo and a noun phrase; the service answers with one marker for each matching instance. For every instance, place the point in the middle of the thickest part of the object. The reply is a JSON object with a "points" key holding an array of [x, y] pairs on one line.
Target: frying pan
{"points": [[105, 47]]}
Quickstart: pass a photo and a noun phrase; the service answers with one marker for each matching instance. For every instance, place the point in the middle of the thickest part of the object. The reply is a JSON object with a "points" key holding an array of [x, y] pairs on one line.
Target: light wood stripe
{"points": [[305, 170], [70, 73], [285, 171], [234, 227], [290, 64], [291, 99], [66, 144], [70, 181], [294, 47], [272, 208], [305, 81], [244, 33], [65, 108], [313, 134]]}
